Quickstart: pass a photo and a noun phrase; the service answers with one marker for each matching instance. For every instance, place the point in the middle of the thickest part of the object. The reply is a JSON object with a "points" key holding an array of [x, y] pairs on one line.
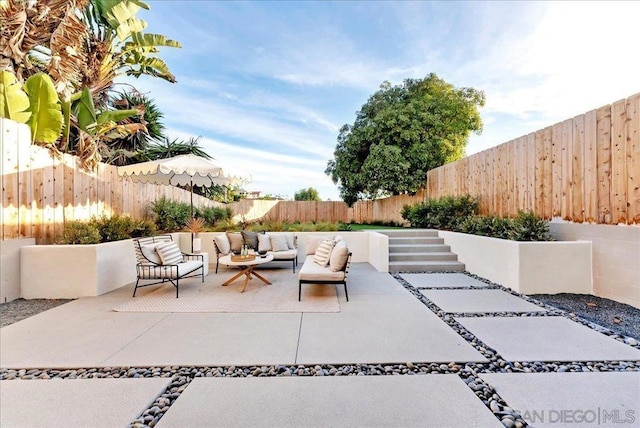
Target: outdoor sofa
{"points": [[283, 246], [327, 262]]}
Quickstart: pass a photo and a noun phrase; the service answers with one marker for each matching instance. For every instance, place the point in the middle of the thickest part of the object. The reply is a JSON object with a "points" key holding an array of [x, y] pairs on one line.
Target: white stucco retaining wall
{"points": [[73, 271], [10, 268], [616, 257], [526, 267]]}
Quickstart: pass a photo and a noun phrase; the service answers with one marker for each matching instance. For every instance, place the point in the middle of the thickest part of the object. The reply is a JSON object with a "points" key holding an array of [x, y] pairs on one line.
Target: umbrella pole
{"points": [[191, 211]]}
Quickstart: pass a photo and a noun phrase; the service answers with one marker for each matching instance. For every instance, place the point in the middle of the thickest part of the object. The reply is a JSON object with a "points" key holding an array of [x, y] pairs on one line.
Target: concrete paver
{"points": [[383, 329], [76, 403], [546, 339], [474, 301], [572, 399], [353, 401], [451, 280], [82, 333], [214, 339]]}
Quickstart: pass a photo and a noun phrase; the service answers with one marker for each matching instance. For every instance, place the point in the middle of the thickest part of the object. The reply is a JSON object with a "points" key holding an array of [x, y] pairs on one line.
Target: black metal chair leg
{"points": [[294, 266], [136, 289], [299, 290], [217, 263], [345, 291]]}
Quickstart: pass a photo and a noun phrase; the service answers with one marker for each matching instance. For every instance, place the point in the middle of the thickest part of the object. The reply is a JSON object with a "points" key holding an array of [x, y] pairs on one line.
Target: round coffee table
{"points": [[246, 268]]}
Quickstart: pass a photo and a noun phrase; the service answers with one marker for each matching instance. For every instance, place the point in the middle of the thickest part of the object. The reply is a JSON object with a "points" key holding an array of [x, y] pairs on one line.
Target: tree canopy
{"points": [[402, 132], [309, 194]]}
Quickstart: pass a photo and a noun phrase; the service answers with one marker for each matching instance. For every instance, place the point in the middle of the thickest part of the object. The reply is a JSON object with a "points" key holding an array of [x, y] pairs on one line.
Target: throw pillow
{"points": [[236, 241], [339, 256], [169, 253], [149, 251], [279, 243], [291, 240], [314, 241], [224, 246], [250, 239], [264, 242], [323, 253]]}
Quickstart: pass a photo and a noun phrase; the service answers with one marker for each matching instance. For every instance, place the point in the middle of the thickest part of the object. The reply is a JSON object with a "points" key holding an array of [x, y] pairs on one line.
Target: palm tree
{"points": [[131, 148], [166, 148], [80, 44]]}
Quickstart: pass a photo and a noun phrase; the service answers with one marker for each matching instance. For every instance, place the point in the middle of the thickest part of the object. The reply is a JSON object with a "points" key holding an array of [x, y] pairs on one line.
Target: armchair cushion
{"points": [[149, 251], [169, 253]]}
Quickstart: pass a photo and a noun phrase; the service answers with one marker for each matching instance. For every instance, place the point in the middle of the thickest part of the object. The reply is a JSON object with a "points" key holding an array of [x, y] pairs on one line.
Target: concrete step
{"points": [[434, 256], [409, 233], [415, 240], [435, 248], [437, 266]]}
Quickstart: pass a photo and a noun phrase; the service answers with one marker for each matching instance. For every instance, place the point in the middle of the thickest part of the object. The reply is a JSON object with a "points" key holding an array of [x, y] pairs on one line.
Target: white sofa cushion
{"points": [[285, 255], [264, 242], [311, 271], [279, 243], [291, 240], [339, 256]]}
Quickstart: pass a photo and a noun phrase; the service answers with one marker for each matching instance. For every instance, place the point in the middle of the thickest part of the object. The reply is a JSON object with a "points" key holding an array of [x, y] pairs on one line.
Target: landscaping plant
{"points": [[459, 214]]}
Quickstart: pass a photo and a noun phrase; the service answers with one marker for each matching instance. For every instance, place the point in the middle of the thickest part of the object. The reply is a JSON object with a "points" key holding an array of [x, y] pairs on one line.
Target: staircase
{"points": [[420, 250]]}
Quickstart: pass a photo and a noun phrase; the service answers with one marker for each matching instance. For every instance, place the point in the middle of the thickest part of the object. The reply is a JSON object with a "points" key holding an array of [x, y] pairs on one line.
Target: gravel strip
{"points": [[616, 316], [19, 309]]}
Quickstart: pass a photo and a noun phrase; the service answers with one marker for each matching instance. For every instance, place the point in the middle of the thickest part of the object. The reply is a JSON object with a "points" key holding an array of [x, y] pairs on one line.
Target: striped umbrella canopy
{"points": [[182, 170]]}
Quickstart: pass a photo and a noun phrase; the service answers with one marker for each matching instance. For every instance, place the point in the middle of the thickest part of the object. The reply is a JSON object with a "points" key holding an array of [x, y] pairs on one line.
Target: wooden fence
{"points": [[40, 192], [584, 169]]}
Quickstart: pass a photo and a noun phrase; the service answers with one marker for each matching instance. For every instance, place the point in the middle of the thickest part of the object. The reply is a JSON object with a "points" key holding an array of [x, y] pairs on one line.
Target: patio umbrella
{"points": [[179, 170]]}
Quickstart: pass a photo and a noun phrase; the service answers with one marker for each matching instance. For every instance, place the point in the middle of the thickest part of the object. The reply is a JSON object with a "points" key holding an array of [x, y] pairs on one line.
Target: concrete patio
{"points": [[412, 367]]}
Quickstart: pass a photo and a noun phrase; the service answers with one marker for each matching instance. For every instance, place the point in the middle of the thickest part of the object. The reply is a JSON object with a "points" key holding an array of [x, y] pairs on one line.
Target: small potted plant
{"points": [[195, 226]]}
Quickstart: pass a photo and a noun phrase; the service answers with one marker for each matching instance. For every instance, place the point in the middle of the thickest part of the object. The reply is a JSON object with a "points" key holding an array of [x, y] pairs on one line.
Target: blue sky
{"points": [[268, 84]]}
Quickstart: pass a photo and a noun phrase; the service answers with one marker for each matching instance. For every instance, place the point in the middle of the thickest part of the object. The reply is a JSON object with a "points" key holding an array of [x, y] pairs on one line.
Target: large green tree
{"points": [[402, 132], [309, 194]]}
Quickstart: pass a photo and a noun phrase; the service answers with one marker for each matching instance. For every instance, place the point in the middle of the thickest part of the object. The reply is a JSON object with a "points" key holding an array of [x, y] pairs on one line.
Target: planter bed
{"points": [[72, 271], [526, 267]]}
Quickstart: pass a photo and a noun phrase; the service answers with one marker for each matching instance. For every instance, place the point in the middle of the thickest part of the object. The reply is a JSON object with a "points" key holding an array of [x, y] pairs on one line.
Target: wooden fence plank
{"points": [[25, 191], [556, 155], [539, 171], [590, 167], [531, 172], [633, 159], [577, 169], [548, 173], [603, 142], [10, 195], [567, 172], [618, 162]]}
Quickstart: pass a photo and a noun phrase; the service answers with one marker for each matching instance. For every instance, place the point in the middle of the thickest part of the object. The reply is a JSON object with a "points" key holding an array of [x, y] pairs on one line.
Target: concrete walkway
{"points": [[443, 341]]}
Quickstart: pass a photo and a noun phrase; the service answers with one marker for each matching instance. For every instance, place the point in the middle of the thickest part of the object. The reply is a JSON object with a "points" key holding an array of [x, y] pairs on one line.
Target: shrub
{"points": [[170, 215], [445, 213], [213, 215], [530, 227], [78, 232]]}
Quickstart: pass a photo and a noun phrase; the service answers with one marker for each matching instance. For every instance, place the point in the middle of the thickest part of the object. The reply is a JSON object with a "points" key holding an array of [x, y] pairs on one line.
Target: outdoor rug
{"points": [[210, 296]]}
